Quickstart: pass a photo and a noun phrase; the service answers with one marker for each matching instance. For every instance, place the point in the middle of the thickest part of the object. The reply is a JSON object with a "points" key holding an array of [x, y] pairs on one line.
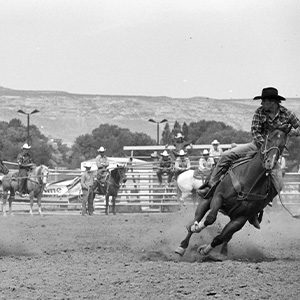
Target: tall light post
{"points": [[28, 118], [157, 124]]}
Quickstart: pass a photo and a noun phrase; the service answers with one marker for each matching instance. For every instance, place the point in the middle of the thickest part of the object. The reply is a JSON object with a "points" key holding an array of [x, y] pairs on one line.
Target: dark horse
{"points": [[36, 181], [117, 176], [244, 192]]}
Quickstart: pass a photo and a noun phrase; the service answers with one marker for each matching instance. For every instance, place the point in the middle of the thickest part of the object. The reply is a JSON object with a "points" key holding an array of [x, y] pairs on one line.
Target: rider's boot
{"points": [[206, 190]]}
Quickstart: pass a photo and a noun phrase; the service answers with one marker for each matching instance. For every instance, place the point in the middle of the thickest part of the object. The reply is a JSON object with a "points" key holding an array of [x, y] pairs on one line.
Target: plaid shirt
{"points": [[262, 124]]}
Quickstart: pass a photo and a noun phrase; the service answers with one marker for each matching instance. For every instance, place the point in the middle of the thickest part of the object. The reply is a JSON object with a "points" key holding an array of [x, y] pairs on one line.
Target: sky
{"points": [[211, 48]]}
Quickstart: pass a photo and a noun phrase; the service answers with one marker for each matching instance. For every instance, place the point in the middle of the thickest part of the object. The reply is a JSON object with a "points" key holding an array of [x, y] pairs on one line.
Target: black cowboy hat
{"points": [[269, 93]]}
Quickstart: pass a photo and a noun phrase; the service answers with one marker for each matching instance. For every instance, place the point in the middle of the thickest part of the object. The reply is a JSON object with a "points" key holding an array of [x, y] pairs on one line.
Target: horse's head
{"points": [[119, 174], [3, 168], [273, 148], [44, 173]]}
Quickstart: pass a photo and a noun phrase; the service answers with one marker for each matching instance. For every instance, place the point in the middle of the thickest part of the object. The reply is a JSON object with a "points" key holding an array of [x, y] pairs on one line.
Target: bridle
{"points": [[264, 150]]}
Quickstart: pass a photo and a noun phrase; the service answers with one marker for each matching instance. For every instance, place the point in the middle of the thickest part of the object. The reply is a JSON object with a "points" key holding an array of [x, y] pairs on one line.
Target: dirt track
{"points": [[132, 257]]}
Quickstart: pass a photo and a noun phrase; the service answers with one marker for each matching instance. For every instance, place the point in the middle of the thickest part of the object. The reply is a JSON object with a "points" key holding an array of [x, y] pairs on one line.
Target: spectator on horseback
{"points": [[182, 163], [165, 166], [215, 150], [179, 144], [87, 181], [206, 163], [25, 164], [102, 165], [269, 116]]}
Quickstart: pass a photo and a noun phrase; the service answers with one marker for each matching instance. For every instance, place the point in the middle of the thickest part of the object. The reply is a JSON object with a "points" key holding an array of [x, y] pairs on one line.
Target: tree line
{"points": [[55, 153]]}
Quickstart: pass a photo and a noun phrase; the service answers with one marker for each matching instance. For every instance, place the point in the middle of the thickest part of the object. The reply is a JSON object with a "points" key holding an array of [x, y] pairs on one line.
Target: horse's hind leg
{"points": [[31, 204], [225, 236], [39, 202]]}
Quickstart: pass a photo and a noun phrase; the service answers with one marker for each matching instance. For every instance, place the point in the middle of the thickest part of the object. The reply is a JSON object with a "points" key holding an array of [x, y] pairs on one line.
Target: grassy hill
{"points": [[64, 115]]}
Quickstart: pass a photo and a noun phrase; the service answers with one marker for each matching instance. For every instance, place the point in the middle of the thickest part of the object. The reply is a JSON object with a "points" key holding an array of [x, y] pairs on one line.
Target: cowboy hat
{"points": [[88, 165], [101, 149], [182, 152], [179, 135], [154, 154], [205, 152], [26, 146], [269, 93], [215, 142], [165, 153]]}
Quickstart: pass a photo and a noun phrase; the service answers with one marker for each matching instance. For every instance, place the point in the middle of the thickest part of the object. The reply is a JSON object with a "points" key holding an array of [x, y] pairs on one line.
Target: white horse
{"points": [[187, 185]]}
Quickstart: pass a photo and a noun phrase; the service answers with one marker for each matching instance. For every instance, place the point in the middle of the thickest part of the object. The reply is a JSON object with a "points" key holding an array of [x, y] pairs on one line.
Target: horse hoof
{"points": [[180, 251], [201, 249]]}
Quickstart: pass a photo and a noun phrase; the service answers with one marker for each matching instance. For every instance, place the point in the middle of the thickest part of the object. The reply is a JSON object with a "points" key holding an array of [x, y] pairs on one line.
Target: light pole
{"points": [[157, 124], [28, 117]]}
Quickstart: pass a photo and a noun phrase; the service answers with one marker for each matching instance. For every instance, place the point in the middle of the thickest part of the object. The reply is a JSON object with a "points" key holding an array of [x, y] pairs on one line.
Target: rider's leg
{"points": [[225, 162], [170, 176], [159, 176], [84, 201]]}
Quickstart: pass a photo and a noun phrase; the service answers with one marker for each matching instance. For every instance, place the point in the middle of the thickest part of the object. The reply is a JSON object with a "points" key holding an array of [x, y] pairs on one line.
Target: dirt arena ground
{"points": [[131, 256]]}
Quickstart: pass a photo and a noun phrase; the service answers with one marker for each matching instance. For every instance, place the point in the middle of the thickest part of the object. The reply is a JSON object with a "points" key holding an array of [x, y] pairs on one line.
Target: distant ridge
{"points": [[67, 115]]}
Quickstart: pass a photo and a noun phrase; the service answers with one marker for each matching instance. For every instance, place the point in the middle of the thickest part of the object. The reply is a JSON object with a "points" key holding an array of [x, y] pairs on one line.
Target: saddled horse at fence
{"points": [[244, 192], [187, 185], [36, 181], [116, 178], [3, 169]]}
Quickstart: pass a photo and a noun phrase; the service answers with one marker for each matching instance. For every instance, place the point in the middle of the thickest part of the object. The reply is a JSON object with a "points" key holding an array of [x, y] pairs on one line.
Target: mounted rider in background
{"points": [[102, 165], [179, 144], [25, 164], [269, 116]]}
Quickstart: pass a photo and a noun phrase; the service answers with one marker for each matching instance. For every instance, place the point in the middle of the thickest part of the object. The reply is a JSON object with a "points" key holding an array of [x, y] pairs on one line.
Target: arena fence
{"points": [[141, 193]]}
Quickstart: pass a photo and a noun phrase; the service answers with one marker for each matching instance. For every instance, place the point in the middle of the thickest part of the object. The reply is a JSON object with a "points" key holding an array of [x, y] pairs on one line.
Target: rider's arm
{"points": [[294, 121], [256, 127]]}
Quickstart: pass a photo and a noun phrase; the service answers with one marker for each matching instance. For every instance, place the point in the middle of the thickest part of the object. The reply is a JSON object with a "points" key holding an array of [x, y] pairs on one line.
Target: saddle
{"points": [[252, 192]]}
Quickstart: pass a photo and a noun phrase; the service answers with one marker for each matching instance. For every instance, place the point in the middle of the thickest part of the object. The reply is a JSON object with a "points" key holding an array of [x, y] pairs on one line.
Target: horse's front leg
{"points": [[4, 200], [215, 205], [106, 204], [31, 196], [225, 236], [10, 201], [194, 226], [113, 200], [39, 202]]}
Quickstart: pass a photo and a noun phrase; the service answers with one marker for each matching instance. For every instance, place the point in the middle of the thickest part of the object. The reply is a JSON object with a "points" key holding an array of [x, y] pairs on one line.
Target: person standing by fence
{"points": [[87, 181]]}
